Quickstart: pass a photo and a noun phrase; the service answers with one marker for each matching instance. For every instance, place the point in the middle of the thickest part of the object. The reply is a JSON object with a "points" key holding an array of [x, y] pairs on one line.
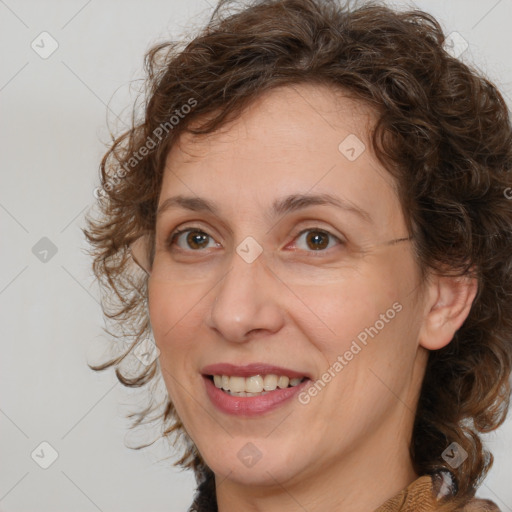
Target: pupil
{"points": [[196, 239], [317, 240]]}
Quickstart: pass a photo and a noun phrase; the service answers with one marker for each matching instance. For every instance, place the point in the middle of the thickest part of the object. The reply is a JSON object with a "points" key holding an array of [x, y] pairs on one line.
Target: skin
{"points": [[296, 307]]}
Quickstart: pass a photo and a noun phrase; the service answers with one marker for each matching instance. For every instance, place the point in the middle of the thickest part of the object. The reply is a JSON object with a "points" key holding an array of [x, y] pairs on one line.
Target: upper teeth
{"points": [[254, 383]]}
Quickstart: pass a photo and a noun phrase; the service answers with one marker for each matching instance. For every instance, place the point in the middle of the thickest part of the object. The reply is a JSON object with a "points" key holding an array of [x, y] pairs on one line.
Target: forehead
{"points": [[310, 117], [291, 139]]}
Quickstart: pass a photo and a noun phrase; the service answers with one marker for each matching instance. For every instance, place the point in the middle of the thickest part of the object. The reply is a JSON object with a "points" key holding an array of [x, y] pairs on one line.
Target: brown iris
{"points": [[197, 239], [317, 240]]}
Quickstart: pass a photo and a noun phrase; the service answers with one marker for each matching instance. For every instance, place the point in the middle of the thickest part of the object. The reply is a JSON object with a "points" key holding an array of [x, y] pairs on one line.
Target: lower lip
{"points": [[250, 405]]}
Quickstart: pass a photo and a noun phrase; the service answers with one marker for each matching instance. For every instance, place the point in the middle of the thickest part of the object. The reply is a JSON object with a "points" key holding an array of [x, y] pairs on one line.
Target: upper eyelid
{"points": [[336, 237], [180, 231]]}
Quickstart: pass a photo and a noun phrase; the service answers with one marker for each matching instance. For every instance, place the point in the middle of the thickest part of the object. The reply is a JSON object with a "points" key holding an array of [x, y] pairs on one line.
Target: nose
{"points": [[246, 302]]}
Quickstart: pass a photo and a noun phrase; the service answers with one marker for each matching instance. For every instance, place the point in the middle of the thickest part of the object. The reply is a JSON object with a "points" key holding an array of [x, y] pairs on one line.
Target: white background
{"points": [[52, 132]]}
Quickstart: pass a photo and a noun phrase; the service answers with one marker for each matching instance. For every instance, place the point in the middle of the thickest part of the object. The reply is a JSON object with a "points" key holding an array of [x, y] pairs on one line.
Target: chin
{"points": [[249, 465], [258, 475]]}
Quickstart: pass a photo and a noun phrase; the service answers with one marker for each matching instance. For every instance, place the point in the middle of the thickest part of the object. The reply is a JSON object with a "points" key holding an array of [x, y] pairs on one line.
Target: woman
{"points": [[317, 197]]}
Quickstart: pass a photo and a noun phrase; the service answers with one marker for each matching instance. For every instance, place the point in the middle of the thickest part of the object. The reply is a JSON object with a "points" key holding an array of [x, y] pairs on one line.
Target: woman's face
{"points": [[285, 268]]}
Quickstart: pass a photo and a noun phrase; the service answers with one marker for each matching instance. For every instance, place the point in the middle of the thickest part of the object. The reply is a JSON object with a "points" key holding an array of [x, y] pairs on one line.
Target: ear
{"points": [[447, 306], [139, 251]]}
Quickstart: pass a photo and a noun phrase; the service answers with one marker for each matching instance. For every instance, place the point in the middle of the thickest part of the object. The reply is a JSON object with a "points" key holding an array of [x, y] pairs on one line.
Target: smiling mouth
{"points": [[255, 385]]}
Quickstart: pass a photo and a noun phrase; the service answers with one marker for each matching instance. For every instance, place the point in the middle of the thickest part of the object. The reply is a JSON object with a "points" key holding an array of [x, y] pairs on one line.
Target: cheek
{"points": [[367, 352], [172, 307], [161, 311], [374, 303], [175, 314]]}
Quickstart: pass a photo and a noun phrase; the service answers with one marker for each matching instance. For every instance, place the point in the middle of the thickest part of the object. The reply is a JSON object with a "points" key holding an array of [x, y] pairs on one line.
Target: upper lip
{"points": [[251, 369]]}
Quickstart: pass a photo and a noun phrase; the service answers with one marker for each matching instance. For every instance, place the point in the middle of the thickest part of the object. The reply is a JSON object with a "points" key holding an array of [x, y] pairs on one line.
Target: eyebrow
{"points": [[288, 204]]}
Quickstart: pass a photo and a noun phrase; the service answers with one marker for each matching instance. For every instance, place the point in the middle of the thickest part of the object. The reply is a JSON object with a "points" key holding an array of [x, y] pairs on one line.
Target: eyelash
{"points": [[175, 234]]}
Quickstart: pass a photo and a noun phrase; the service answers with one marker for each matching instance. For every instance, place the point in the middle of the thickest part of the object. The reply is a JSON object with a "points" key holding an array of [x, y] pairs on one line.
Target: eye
{"points": [[194, 239], [315, 239], [191, 238]]}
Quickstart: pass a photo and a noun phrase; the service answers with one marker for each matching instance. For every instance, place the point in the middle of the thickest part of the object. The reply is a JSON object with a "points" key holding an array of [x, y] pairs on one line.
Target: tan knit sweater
{"points": [[420, 496]]}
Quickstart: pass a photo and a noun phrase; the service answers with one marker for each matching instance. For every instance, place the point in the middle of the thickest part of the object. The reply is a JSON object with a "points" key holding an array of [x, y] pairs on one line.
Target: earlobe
{"points": [[448, 302]]}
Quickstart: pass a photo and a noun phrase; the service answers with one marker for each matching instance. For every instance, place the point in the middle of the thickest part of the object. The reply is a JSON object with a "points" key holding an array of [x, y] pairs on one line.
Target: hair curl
{"points": [[443, 131]]}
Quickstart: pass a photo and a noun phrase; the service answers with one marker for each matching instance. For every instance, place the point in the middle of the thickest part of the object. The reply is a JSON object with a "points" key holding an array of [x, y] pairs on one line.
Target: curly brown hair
{"points": [[443, 132]]}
